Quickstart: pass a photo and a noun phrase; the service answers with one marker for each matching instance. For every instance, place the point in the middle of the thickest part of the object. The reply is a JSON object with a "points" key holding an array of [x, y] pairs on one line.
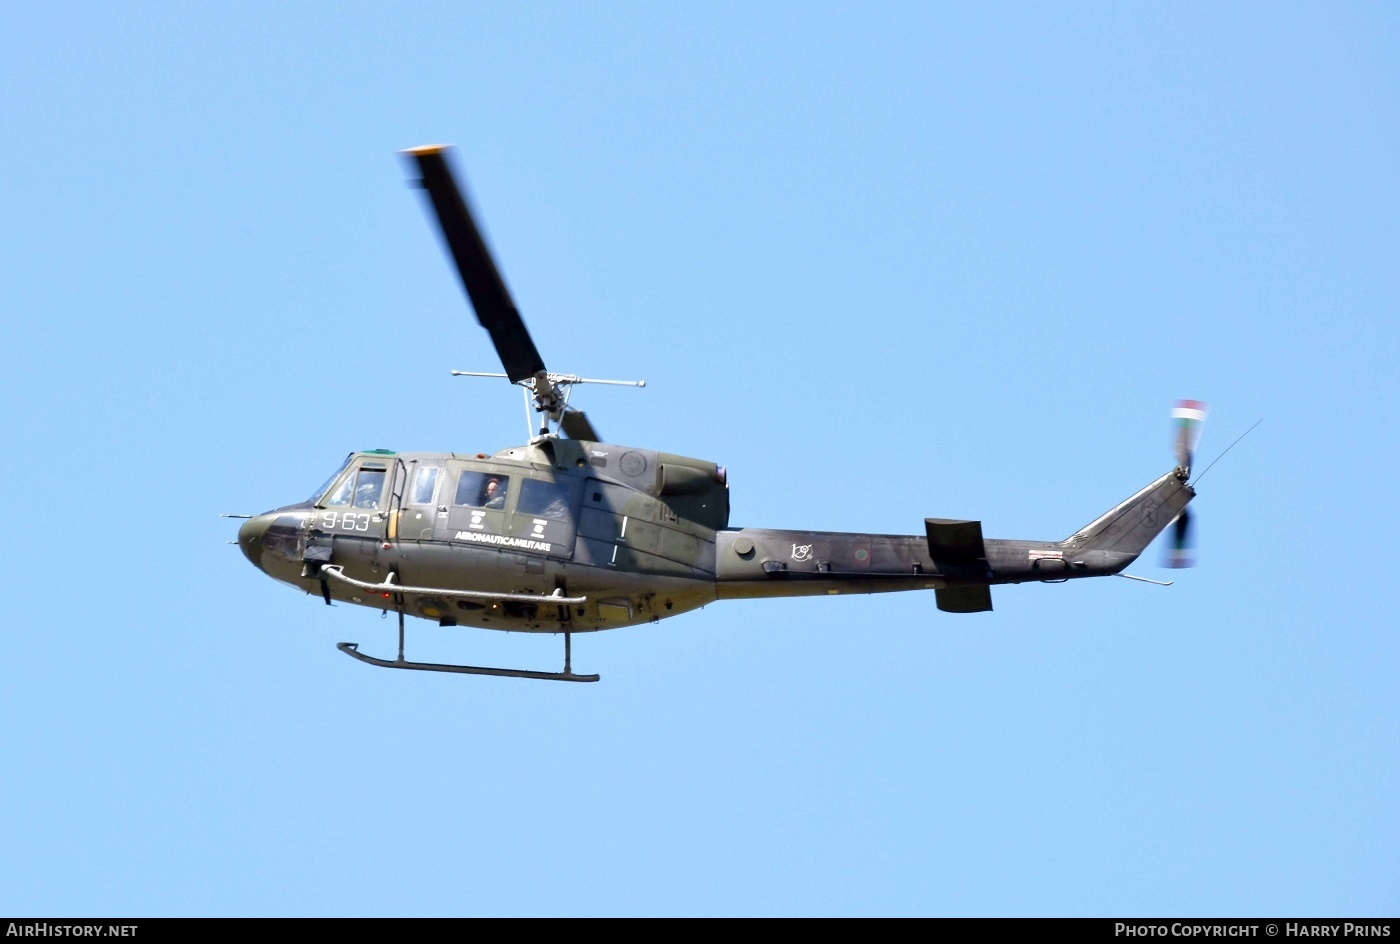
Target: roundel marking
{"points": [[1149, 515]]}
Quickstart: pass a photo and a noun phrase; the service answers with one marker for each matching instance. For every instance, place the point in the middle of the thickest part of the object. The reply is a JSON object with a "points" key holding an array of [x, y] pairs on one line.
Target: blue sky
{"points": [[883, 263]]}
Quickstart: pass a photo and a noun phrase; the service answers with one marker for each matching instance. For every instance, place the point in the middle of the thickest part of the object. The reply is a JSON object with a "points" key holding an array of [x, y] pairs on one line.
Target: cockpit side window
{"points": [[369, 486], [424, 485], [482, 489]]}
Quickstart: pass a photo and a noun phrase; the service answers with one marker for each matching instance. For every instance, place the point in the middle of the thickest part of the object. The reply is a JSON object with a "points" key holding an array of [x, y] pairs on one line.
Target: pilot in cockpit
{"points": [[368, 486], [493, 493]]}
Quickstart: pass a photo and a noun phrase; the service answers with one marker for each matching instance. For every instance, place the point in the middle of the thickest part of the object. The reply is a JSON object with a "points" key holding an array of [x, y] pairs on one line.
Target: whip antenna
{"points": [[1227, 449]]}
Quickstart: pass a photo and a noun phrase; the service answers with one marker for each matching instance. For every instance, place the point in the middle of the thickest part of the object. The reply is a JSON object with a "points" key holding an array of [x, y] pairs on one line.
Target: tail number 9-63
{"points": [[349, 521]]}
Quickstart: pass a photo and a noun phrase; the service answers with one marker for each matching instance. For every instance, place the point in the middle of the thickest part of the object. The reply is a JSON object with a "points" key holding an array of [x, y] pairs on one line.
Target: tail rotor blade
{"points": [[1181, 551], [1190, 416], [487, 290]]}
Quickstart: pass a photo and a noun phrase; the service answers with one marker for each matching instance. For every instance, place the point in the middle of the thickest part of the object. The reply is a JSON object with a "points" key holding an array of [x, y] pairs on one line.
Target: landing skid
{"points": [[353, 649]]}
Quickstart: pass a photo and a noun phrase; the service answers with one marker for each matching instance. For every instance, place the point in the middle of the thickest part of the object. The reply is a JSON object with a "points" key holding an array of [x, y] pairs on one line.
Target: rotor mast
{"points": [[549, 396], [494, 307]]}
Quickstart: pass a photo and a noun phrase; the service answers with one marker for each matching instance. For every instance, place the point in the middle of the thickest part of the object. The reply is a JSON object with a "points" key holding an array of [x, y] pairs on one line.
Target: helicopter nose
{"points": [[250, 537]]}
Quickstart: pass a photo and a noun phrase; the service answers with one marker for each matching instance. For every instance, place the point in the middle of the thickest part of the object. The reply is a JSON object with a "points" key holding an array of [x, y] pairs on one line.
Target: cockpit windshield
{"points": [[359, 488], [316, 495]]}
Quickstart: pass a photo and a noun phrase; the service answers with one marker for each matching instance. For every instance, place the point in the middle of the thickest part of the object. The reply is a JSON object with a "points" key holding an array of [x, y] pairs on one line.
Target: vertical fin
{"points": [[1130, 526]]}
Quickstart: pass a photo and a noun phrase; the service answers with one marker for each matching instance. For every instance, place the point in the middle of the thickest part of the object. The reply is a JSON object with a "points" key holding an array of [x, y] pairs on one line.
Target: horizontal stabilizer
{"points": [[956, 542], [976, 598]]}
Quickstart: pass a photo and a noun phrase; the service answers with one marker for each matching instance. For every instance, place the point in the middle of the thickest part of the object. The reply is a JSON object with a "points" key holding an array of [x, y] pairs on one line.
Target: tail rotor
{"points": [[1190, 417]]}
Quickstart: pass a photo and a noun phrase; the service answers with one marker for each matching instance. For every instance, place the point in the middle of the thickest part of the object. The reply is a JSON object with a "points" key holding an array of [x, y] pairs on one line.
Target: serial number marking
{"points": [[350, 521]]}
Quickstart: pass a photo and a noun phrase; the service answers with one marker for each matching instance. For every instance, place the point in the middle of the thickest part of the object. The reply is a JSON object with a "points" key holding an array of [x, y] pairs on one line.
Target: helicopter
{"points": [[569, 533]]}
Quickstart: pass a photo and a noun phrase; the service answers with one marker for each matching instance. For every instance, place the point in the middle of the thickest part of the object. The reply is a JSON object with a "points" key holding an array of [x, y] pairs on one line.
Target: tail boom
{"points": [[951, 557]]}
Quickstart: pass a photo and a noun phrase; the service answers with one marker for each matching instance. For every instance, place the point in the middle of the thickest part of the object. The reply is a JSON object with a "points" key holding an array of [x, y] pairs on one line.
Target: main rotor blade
{"points": [[576, 426], [487, 290]]}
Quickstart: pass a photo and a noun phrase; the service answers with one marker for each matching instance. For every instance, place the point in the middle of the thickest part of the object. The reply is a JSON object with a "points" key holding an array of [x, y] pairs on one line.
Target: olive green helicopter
{"points": [[571, 534]]}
